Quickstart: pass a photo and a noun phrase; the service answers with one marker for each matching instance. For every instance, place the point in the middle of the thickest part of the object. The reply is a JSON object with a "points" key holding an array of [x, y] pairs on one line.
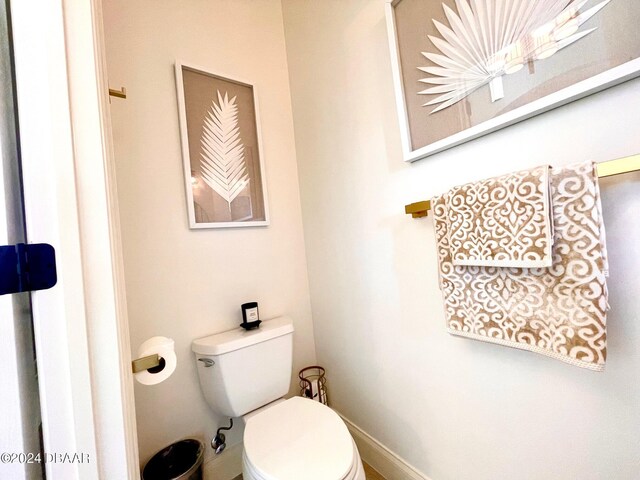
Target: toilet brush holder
{"points": [[313, 384]]}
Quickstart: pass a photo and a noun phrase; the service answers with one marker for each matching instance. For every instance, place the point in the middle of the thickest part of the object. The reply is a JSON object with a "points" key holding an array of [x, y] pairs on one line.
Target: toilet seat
{"points": [[355, 473], [299, 438]]}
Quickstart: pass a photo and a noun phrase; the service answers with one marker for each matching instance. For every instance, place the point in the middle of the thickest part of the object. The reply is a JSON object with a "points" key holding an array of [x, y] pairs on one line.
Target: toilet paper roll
{"points": [[164, 347]]}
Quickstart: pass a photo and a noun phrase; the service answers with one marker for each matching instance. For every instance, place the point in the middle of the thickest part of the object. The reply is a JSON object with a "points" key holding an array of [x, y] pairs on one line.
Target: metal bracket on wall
{"points": [[418, 209], [145, 363], [122, 93]]}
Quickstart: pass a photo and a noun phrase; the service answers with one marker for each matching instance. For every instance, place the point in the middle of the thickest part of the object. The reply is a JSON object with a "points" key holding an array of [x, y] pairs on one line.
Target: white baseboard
{"points": [[226, 466], [380, 458]]}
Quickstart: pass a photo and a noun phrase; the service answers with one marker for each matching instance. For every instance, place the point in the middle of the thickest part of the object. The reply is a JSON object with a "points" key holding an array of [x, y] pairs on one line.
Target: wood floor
{"points": [[370, 473]]}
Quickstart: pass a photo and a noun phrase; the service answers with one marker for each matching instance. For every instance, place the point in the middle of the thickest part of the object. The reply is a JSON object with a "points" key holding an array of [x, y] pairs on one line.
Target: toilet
{"points": [[247, 374]]}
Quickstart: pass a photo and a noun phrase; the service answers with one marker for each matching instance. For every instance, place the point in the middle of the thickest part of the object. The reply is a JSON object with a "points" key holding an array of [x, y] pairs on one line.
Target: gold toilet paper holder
{"points": [[145, 363]]}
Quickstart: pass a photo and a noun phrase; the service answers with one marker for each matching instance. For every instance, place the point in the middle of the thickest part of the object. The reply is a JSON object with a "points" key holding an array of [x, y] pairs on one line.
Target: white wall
{"points": [[187, 284], [454, 408]]}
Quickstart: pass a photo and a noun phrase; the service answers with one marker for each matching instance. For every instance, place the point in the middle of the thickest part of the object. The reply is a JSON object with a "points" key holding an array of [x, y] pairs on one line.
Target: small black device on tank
{"points": [[250, 316]]}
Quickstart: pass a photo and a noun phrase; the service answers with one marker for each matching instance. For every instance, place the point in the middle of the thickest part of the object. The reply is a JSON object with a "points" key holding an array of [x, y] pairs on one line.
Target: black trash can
{"points": [[179, 461]]}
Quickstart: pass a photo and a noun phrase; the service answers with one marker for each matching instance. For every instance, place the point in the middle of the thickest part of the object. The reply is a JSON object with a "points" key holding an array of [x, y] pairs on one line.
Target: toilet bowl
{"points": [[299, 439], [246, 374]]}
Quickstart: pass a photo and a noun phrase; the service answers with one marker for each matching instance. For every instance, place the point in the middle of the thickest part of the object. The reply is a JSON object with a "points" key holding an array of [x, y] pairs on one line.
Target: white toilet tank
{"points": [[241, 370]]}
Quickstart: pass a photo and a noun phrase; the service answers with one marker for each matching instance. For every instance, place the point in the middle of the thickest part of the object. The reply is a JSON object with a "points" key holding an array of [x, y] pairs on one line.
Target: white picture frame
{"points": [[594, 84], [194, 171]]}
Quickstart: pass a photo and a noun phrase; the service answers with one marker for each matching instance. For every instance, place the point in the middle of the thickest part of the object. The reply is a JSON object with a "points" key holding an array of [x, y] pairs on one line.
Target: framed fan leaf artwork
{"points": [[466, 68], [221, 150]]}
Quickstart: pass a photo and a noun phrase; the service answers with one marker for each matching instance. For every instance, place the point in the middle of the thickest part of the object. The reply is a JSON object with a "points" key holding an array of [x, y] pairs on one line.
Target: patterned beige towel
{"points": [[503, 221], [558, 311]]}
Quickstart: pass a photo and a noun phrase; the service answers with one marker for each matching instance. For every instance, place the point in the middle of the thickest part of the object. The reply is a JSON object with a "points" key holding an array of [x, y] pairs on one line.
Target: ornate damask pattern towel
{"points": [[559, 311], [503, 221]]}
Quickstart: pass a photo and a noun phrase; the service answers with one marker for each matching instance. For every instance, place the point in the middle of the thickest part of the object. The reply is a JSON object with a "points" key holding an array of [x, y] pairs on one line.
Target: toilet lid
{"points": [[299, 438]]}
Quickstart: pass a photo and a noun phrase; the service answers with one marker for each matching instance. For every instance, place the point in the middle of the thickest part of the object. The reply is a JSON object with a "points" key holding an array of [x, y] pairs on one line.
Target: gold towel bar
{"points": [[605, 169], [122, 93]]}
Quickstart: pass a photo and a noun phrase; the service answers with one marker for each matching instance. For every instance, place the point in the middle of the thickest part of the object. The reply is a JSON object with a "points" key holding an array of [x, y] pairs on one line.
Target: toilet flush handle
{"points": [[207, 362]]}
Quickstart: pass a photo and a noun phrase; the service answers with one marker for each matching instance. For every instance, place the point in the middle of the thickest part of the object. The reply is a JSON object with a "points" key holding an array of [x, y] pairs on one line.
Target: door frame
{"points": [[80, 326]]}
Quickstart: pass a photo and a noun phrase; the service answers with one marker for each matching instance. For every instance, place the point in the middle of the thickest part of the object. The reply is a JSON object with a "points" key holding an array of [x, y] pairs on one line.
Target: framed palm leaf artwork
{"points": [[221, 150], [465, 68]]}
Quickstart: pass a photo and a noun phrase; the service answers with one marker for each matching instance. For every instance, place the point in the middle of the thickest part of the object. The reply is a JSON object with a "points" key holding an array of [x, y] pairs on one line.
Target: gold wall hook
{"points": [[122, 93]]}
